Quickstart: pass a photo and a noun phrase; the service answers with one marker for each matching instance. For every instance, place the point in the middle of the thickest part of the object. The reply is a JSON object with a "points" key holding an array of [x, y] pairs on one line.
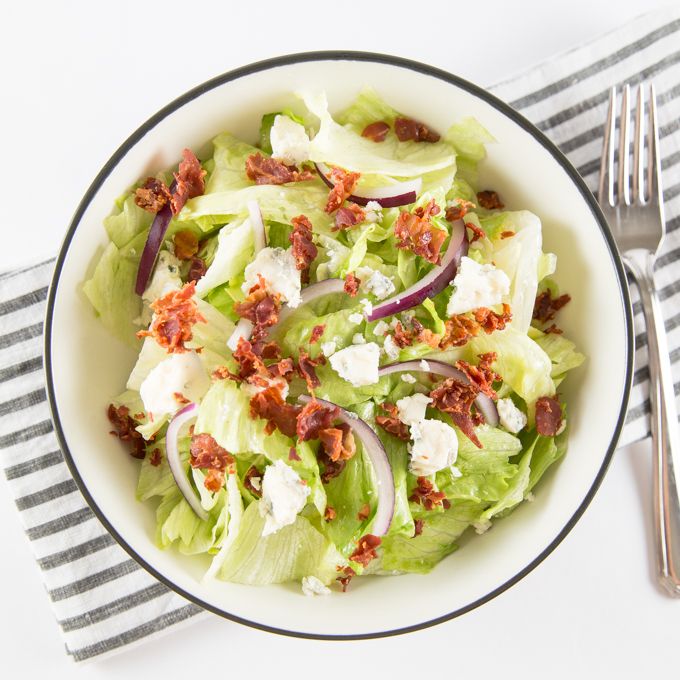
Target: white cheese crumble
{"points": [[434, 447], [477, 285], [375, 282], [284, 494], [512, 419], [381, 328], [366, 304], [408, 378], [358, 339], [180, 374], [277, 267], [289, 141], [355, 318], [391, 348], [373, 211], [165, 277], [357, 364], [424, 366], [412, 409], [328, 348], [311, 586]]}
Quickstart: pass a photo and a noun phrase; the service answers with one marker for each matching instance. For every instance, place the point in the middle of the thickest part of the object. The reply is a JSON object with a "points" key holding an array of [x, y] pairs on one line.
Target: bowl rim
{"points": [[321, 56]]}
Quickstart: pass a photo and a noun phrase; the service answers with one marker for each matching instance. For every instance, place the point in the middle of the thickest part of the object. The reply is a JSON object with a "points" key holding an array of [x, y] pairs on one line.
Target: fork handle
{"points": [[664, 425]]}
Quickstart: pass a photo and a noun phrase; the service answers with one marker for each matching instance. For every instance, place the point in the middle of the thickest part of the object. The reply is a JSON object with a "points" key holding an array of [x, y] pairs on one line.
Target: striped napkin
{"points": [[103, 600]]}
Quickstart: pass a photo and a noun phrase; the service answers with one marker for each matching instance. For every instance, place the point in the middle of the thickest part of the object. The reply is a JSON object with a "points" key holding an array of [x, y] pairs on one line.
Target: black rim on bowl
{"points": [[340, 56]]}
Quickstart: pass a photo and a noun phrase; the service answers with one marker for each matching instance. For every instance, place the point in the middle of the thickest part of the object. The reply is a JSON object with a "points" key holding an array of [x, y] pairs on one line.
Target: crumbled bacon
{"points": [[223, 373], [344, 580], [548, 416], [293, 454], [377, 131], [364, 512], [402, 337], [180, 398], [329, 514], [260, 307], [285, 368], [491, 321], [152, 195], [458, 210], [306, 369], [458, 330], [507, 234], [270, 406], [553, 329], [197, 269], [338, 442], [189, 181], [268, 350], [206, 453], [304, 250], [316, 333], [416, 232], [156, 457], [352, 284], [426, 495], [477, 232], [409, 129], [124, 429], [331, 469], [481, 375], [263, 170], [455, 397], [252, 481], [365, 550], [417, 527], [186, 244], [313, 418], [249, 363], [348, 216], [489, 200], [391, 423], [545, 307], [175, 315], [343, 185]]}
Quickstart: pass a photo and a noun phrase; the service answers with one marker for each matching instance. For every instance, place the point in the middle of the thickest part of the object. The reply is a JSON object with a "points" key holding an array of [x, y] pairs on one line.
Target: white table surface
{"points": [[76, 79]]}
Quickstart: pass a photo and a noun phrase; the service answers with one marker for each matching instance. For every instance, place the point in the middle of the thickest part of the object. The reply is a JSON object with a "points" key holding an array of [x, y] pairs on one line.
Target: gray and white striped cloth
{"points": [[102, 599]]}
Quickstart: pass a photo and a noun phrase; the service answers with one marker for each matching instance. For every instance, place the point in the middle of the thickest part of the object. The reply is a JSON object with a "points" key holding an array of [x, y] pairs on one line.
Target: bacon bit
{"points": [[348, 216], [338, 442], [156, 457], [507, 234], [125, 430], [186, 244], [458, 210], [304, 250], [377, 131], [139, 416], [180, 398], [416, 232], [152, 195], [316, 334], [260, 308], [189, 180], [331, 469], [223, 373], [545, 307], [313, 418], [175, 315], [251, 474], [366, 550], [352, 284], [343, 185], [490, 321], [270, 406], [391, 423], [364, 512], [553, 329], [477, 232], [263, 170], [408, 129], [425, 494], [206, 453], [458, 330], [197, 269], [418, 527], [481, 375], [282, 369], [268, 350], [293, 454], [402, 338], [249, 363], [344, 580], [456, 398], [548, 416], [489, 200], [329, 514], [306, 366]]}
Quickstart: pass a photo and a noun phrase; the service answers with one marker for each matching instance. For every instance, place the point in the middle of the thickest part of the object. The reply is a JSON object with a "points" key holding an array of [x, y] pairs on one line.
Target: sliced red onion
{"points": [[153, 245], [432, 283], [391, 196], [172, 452], [243, 330], [312, 292], [379, 460], [258, 225], [484, 402]]}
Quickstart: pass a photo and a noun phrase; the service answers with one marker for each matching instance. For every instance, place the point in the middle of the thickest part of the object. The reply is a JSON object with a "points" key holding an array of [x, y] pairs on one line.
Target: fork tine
{"points": [[623, 193], [654, 161], [639, 148], [605, 190]]}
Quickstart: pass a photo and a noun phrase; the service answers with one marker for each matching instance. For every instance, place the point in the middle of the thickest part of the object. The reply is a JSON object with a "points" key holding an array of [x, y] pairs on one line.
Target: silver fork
{"points": [[632, 202]]}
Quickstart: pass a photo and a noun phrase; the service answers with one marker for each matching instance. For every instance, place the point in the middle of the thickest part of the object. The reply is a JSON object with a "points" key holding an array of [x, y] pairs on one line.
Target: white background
{"points": [[75, 79]]}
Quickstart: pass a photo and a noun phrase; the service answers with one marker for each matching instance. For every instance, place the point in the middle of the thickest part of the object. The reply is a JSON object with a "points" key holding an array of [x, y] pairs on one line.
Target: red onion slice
{"points": [[379, 460], [484, 402], [258, 225], [432, 283], [391, 196], [182, 417], [153, 245]]}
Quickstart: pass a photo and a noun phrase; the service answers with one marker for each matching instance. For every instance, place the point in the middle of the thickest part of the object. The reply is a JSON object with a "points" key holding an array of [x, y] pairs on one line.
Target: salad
{"points": [[348, 349]]}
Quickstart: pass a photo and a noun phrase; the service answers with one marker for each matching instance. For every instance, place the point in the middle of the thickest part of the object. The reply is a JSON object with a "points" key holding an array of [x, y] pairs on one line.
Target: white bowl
{"points": [[86, 366]]}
